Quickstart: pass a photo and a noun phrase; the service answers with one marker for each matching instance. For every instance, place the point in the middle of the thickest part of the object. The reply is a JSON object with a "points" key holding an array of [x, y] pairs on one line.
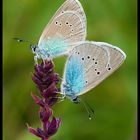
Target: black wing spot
{"points": [[86, 82], [109, 68], [98, 72], [70, 25], [72, 30], [96, 62], [67, 23], [56, 22], [88, 57], [78, 53], [93, 59], [82, 58], [95, 69]]}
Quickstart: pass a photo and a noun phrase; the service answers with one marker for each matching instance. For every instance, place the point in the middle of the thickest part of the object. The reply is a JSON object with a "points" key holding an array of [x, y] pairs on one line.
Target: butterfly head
{"points": [[76, 100], [33, 48]]}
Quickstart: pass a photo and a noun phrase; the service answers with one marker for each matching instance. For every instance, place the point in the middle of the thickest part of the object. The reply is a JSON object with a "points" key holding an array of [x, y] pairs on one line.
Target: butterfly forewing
{"points": [[69, 6], [72, 5], [99, 60], [63, 34]]}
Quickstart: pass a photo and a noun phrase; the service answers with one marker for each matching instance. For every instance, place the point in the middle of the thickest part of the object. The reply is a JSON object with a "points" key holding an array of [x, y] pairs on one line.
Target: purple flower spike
{"points": [[46, 81]]}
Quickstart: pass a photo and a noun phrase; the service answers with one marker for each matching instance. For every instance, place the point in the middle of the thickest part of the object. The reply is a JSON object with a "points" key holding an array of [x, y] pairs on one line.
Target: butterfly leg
{"points": [[62, 98], [35, 59], [44, 62], [60, 78]]}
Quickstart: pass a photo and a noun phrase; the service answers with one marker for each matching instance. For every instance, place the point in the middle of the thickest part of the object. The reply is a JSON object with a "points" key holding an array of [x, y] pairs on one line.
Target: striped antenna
{"points": [[88, 108], [21, 40]]}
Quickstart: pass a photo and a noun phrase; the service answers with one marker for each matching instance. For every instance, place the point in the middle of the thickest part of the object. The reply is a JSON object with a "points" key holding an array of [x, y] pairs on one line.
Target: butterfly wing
{"points": [[68, 5], [75, 6], [68, 26], [99, 60]]}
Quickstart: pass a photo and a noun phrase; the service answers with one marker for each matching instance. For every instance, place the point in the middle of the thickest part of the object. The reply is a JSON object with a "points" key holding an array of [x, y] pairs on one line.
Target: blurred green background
{"points": [[114, 100]]}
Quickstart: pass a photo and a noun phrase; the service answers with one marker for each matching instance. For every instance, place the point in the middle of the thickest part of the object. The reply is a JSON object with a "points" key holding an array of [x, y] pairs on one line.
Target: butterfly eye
{"points": [[34, 49]]}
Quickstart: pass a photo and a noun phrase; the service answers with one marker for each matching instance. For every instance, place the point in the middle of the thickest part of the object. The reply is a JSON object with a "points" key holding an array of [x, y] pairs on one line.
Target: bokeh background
{"points": [[114, 100]]}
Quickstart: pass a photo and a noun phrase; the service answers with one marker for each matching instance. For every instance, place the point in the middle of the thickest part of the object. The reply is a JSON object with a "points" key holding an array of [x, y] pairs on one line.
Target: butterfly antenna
{"points": [[21, 40], [88, 108]]}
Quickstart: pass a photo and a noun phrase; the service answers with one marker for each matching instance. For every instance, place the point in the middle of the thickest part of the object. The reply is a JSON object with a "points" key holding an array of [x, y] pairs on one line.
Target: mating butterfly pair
{"points": [[88, 63]]}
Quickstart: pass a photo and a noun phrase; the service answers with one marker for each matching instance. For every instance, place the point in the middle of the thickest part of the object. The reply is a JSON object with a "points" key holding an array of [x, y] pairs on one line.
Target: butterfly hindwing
{"points": [[99, 60]]}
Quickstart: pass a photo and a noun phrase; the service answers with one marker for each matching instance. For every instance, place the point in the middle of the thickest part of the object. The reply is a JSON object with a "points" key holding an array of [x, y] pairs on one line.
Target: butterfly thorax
{"points": [[41, 53]]}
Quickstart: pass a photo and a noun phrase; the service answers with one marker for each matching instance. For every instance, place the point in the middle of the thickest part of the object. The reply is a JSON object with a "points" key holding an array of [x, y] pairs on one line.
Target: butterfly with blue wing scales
{"points": [[64, 31], [89, 64]]}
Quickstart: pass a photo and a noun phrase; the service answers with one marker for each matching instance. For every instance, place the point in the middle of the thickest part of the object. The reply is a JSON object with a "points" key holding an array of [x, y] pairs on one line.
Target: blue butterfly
{"points": [[88, 64], [66, 29]]}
